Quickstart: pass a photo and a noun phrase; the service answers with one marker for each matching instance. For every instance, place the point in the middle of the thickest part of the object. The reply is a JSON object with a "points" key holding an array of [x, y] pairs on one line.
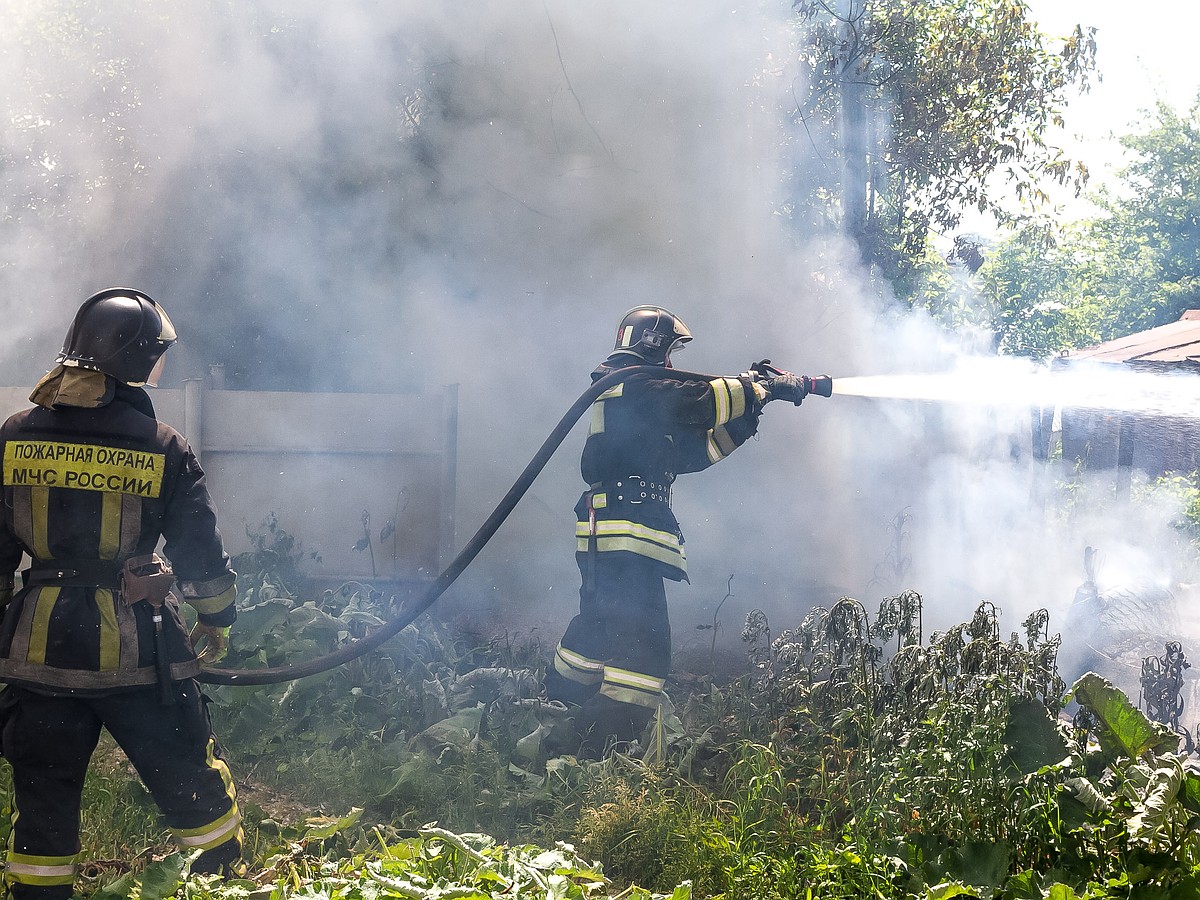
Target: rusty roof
{"points": [[1175, 342]]}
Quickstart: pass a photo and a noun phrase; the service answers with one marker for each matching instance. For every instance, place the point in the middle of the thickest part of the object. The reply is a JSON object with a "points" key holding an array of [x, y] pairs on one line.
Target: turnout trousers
{"points": [[49, 742], [615, 655]]}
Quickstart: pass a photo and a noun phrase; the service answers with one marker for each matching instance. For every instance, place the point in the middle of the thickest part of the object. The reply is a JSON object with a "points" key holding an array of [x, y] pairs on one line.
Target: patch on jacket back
{"points": [[88, 467]]}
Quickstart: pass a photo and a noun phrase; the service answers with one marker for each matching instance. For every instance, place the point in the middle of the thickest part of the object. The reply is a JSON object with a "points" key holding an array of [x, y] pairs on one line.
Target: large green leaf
{"points": [[1034, 742], [1189, 794], [160, 879], [983, 864], [949, 890], [1124, 729], [1159, 805]]}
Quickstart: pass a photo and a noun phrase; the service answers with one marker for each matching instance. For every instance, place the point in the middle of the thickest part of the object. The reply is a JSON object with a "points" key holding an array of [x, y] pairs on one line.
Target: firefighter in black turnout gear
{"points": [[614, 658], [92, 639]]}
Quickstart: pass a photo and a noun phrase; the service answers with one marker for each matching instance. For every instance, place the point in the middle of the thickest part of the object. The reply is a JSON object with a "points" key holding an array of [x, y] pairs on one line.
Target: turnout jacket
{"points": [[85, 489], [644, 432]]}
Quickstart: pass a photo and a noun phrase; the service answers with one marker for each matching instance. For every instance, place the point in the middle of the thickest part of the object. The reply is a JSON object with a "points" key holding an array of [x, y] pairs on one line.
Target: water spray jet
{"points": [[1012, 382]]}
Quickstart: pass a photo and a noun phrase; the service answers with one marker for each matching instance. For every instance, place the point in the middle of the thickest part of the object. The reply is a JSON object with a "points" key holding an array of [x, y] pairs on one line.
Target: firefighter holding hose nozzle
{"points": [[611, 664], [94, 638]]}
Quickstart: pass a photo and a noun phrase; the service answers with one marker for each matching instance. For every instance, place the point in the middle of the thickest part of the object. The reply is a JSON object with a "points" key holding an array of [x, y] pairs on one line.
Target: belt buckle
{"points": [[641, 483]]}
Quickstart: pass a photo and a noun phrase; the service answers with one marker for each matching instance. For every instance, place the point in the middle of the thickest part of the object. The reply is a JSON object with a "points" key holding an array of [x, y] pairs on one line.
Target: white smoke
{"points": [[370, 196]]}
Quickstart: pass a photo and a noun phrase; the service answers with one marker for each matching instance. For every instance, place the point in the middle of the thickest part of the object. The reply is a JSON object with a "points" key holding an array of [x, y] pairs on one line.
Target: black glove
{"points": [[787, 387]]}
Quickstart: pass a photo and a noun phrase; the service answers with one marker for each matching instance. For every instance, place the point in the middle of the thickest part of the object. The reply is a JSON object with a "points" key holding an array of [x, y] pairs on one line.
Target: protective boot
{"points": [[563, 738], [569, 692], [224, 859], [606, 724]]}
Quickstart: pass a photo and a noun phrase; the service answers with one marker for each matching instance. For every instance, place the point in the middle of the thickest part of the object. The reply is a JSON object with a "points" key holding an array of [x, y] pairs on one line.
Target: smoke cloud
{"points": [[380, 197]]}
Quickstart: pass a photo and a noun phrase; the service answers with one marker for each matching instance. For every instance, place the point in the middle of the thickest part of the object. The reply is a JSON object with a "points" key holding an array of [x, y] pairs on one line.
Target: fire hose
{"points": [[821, 385]]}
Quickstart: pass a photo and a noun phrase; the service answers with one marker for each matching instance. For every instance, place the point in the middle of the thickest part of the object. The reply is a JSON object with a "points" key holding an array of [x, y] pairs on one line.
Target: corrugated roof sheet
{"points": [[1175, 342]]}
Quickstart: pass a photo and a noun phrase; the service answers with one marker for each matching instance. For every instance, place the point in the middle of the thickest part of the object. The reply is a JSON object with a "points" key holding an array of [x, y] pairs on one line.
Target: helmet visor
{"points": [[166, 332], [677, 344]]}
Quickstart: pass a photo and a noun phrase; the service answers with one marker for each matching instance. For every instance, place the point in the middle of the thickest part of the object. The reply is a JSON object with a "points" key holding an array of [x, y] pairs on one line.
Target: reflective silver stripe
{"points": [[737, 398], [729, 398], [24, 868], [632, 687], [216, 833], [719, 444], [596, 424], [626, 678], [619, 534], [60, 872], [721, 399], [618, 527], [673, 558], [578, 661], [577, 668], [714, 452]]}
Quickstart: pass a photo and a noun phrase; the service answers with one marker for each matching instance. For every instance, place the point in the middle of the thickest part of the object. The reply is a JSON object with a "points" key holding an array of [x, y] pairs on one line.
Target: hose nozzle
{"points": [[821, 385]]}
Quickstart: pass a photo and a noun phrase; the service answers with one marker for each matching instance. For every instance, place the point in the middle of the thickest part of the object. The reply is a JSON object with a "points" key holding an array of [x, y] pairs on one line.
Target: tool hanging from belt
{"points": [[589, 574], [150, 578]]}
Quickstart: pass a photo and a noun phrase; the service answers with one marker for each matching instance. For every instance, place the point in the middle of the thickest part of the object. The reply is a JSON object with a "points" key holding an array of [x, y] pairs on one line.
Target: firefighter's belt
{"points": [[634, 489], [102, 573]]}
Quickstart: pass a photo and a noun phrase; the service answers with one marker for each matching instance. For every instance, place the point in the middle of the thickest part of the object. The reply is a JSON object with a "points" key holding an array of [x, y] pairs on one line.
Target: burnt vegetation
{"points": [[852, 756]]}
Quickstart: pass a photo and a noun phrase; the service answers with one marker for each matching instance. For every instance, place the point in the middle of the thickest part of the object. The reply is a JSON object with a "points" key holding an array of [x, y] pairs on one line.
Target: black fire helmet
{"points": [[120, 332], [651, 332]]}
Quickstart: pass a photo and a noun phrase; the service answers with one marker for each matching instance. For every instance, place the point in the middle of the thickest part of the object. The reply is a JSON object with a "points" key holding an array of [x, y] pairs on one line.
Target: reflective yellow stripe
{"points": [[110, 525], [43, 876], [110, 633], [729, 399], [213, 834], [47, 597], [40, 502], [84, 467], [737, 397], [719, 444], [596, 424], [25, 868], [212, 605], [576, 667], [616, 527], [721, 399], [220, 830], [632, 687], [673, 558]]}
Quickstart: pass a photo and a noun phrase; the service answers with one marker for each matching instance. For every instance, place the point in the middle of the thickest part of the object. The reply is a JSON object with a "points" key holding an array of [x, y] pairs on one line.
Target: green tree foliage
{"points": [[936, 107], [1135, 266], [1021, 298], [1156, 219]]}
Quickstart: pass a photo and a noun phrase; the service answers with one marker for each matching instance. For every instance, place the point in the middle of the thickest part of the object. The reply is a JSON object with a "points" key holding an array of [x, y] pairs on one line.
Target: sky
{"points": [[1141, 59]]}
